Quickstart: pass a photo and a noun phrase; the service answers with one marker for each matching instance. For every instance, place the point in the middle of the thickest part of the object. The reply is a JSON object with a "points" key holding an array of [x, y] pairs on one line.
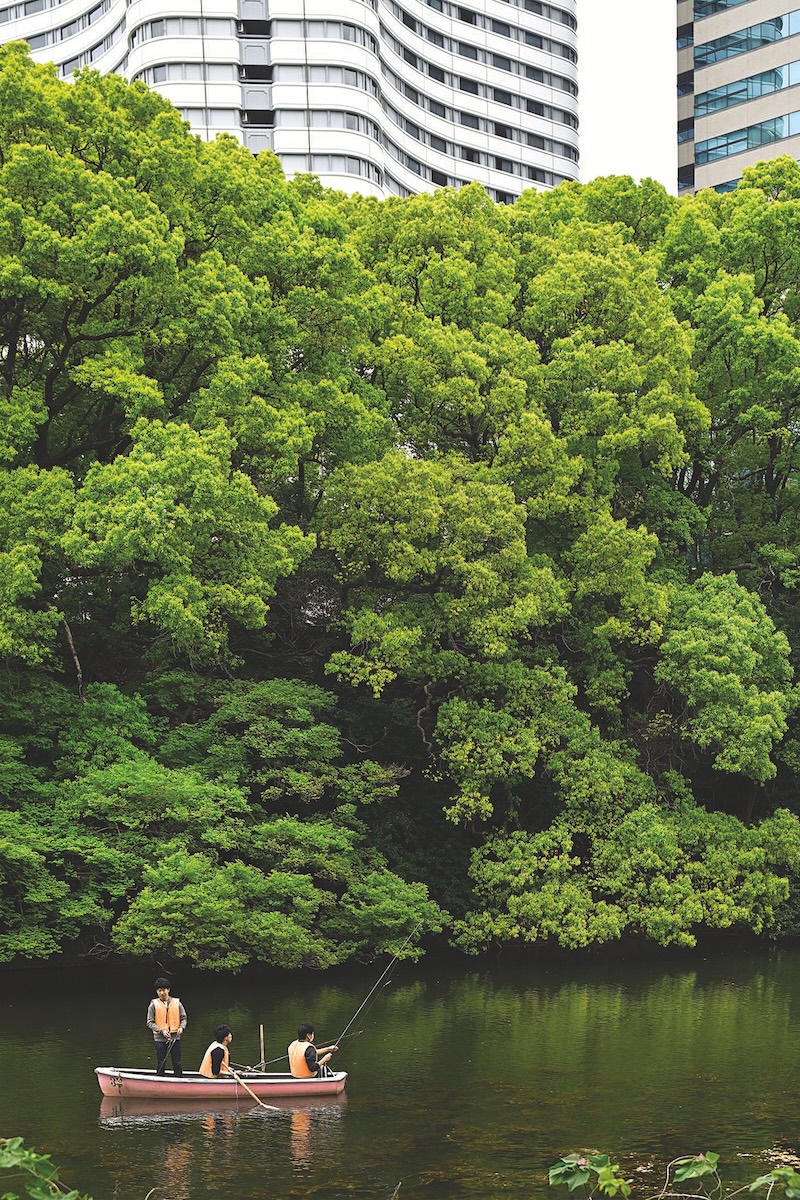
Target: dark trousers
{"points": [[163, 1049]]}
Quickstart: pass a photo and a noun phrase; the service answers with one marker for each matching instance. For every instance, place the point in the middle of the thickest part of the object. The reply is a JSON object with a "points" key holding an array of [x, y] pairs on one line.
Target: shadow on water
{"points": [[464, 1083]]}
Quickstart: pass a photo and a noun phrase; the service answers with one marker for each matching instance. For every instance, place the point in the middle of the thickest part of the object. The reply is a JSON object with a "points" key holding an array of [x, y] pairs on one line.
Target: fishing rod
{"points": [[376, 985], [361, 1006], [281, 1057]]}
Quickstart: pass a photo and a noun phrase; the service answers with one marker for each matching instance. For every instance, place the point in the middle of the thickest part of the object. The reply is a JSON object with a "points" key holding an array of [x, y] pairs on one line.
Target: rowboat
{"points": [[146, 1084]]}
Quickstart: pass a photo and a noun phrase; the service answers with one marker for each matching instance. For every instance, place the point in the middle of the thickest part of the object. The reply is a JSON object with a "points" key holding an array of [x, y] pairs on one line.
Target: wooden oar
{"points": [[250, 1092]]}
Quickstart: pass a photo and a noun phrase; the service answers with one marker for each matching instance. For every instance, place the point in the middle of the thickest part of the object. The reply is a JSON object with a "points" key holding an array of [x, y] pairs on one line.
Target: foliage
{"points": [[577, 1170], [597, 1175], [657, 873], [41, 1179], [361, 560]]}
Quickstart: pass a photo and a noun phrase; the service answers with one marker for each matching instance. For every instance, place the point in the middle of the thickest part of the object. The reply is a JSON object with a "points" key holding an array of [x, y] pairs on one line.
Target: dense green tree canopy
{"points": [[370, 568]]}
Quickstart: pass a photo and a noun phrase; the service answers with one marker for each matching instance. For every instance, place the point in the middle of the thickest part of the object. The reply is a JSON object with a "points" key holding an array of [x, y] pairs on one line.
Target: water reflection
{"points": [[115, 1111], [208, 1139], [176, 1179]]}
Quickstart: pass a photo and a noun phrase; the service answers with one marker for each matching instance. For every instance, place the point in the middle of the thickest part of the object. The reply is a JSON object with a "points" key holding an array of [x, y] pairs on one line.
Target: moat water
{"points": [[464, 1081]]}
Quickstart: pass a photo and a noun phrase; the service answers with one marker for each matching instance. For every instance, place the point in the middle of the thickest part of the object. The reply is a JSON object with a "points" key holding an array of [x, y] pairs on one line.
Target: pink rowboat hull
{"points": [[122, 1082]]}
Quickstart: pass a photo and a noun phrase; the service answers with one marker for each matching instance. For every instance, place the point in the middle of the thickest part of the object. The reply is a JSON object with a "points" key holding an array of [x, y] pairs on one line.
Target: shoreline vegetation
{"points": [[368, 567], [589, 1174], [693, 1175]]}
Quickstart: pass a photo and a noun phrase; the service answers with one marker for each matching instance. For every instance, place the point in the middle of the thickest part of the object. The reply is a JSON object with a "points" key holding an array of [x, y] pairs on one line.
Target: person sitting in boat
{"points": [[216, 1060], [304, 1057], [166, 1019]]}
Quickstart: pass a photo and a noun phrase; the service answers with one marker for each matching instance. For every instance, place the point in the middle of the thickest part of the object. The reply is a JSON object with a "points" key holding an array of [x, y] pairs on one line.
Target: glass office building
{"points": [[376, 96], [738, 93]]}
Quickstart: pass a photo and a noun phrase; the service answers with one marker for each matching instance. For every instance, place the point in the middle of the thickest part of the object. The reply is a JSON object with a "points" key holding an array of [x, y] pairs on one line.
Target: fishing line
{"points": [[378, 983], [363, 1003]]}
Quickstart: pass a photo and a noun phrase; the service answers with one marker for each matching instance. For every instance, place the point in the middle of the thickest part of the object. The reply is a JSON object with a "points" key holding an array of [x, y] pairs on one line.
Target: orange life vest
{"points": [[297, 1060], [168, 1015], [205, 1065]]}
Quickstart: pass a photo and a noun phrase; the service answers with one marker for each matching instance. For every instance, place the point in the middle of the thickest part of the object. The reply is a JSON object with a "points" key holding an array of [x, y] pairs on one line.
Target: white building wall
{"points": [[376, 96]]}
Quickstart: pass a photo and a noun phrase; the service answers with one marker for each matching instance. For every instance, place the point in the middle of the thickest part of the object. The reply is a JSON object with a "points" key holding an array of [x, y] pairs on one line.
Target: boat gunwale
{"points": [[128, 1083], [150, 1075]]}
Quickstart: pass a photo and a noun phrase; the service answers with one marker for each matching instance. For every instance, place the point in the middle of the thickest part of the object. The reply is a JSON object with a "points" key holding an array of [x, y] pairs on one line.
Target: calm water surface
{"points": [[464, 1082]]}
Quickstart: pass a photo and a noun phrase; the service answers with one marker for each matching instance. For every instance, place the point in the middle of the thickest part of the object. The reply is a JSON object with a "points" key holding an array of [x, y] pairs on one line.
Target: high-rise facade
{"points": [[377, 96], [738, 99]]}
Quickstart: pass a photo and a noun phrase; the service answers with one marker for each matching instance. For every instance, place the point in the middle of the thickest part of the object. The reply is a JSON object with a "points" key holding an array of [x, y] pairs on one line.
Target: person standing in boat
{"points": [[304, 1057], [166, 1019], [216, 1060]]}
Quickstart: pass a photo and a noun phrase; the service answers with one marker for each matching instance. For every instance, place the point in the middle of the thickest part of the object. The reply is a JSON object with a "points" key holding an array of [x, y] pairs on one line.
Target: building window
{"points": [[467, 51], [468, 85], [437, 109], [685, 177], [762, 134], [686, 83], [470, 120], [685, 36], [256, 72], [707, 8], [502, 97], [686, 130], [258, 116], [255, 29], [501, 62], [762, 34], [466, 14], [731, 94], [436, 73], [439, 178]]}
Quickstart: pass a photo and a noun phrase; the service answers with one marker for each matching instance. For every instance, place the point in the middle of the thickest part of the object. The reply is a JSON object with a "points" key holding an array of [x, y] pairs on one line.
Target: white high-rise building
{"points": [[377, 96]]}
